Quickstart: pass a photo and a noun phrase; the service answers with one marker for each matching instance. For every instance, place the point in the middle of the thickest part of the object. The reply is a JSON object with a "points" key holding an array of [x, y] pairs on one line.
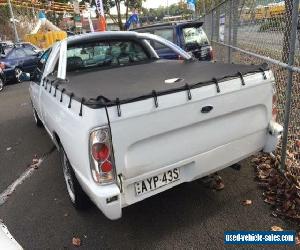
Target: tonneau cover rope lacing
{"points": [[56, 87], [118, 107], [71, 96], [154, 94], [51, 87], [263, 72], [103, 101], [61, 94], [46, 84], [242, 78], [217, 84], [188, 89], [81, 103]]}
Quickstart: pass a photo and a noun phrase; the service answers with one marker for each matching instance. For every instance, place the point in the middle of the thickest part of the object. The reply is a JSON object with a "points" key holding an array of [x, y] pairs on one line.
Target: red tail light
{"points": [[106, 167], [100, 151], [101, 159]]}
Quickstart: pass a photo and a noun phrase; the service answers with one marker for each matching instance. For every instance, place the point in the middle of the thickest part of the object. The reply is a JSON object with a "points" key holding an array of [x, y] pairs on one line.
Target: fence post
{"points": [[212, 25], [288, 93], [230, 30], [13, 21]]}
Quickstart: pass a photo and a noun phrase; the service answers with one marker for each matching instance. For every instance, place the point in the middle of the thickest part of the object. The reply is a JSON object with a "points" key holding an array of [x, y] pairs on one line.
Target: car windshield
{"points": [[103, 54], [194, 36]]}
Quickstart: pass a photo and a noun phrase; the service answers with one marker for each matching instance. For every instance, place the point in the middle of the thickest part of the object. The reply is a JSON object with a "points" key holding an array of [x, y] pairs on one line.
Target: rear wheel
{"points": [[18, 73], [77, 196], [1, 84]]}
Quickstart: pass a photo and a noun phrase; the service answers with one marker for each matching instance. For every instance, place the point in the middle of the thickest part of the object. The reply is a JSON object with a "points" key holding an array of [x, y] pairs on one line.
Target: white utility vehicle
{"points": [[129, 125]]}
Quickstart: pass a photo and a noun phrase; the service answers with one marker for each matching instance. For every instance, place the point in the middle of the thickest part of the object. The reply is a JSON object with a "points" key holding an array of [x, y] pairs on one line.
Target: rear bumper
{"points": [[199, 165], [106, 197], [110, 200]]}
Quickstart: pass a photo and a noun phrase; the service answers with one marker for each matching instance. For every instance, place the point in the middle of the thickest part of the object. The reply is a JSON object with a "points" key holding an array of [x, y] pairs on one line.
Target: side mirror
{"points": [[25, 77]]}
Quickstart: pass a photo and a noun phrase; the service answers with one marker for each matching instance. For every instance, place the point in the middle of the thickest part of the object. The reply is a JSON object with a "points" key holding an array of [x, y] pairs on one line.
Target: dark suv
{"points": [[188, 35]]}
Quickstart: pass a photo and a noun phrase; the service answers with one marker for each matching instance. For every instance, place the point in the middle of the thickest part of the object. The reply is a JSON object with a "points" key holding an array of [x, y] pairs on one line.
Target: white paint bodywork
{"points": [[148, 140], [7, 241]]}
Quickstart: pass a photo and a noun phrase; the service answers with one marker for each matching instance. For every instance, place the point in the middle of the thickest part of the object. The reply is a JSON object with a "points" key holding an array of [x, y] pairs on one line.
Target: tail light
{"points": [[101, 157], [274, 103]]}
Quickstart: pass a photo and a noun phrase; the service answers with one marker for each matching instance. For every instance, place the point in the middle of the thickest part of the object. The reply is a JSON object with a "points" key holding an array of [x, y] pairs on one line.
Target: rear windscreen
{"points": [[104, 54], [194, 36]]}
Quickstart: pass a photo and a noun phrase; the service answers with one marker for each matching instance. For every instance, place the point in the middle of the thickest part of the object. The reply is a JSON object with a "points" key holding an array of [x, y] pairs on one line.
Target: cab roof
{"points": [[182, 24]]}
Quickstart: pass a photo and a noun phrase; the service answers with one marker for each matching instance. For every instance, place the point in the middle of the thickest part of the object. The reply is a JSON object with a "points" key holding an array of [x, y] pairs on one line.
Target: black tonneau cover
{"points": [[114, 86], [138, 80]]}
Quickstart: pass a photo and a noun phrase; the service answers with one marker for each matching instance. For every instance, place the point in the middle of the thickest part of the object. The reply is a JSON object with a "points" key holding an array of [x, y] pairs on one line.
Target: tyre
{"points": [[77, 196], [36, 118], [18, 73], [1, 84]]}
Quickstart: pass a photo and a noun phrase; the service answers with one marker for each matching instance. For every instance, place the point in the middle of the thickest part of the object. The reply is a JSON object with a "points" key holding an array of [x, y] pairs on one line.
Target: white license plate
{"points": [[155, 182]]}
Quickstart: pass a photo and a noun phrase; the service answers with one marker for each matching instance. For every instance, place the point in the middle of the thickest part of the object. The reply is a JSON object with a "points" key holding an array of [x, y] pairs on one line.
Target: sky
{"points": [[148, 4], [156, 3]]}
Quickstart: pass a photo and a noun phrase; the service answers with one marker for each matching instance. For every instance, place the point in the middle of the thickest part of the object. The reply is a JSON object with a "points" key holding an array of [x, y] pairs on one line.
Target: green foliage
{"points": [[272, 25]]}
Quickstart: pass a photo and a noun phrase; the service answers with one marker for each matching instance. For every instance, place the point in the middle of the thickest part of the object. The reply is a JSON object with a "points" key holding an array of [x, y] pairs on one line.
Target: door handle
{"points": [[206, 109]]}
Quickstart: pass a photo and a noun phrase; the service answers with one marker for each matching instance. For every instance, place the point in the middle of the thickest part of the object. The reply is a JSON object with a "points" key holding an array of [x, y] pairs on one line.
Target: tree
{"points": [[130, 4]]}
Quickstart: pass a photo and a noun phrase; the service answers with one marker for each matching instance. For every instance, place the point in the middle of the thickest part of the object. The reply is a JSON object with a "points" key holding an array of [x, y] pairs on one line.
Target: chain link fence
{"points": [[258, 31]]}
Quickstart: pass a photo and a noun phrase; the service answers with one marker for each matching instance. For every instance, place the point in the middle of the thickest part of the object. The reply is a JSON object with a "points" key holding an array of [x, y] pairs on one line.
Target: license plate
{"points": [[155, 182]]}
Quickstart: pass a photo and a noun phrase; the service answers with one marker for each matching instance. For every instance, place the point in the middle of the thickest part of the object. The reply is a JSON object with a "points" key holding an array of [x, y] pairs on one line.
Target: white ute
{"points": [[129, 125]]}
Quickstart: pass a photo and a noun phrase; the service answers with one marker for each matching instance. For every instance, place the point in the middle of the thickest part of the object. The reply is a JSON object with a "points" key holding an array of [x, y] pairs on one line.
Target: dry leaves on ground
{"points": [[76, 241], [247, 202], [282, 191], [276, 228]]}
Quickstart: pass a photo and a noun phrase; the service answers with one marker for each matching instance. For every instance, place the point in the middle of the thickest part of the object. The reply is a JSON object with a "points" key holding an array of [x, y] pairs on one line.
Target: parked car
{"points": [[2, 78], [129, 125], [17, 58], [188, 35]]}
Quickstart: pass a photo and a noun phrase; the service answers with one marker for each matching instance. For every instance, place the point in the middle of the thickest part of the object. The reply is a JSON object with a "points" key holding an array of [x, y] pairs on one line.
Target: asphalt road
{"points": [[40, 216]]}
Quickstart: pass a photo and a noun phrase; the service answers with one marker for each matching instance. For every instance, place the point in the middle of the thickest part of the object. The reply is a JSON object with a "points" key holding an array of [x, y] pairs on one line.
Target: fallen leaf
{"points": [[297, 143], [276, 228], [8, 149], [76, 242], [247, 202], [297, 239]]}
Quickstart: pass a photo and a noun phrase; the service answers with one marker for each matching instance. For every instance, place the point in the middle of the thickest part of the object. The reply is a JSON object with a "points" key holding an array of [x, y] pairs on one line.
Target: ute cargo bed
{"points": [[138, 81]]}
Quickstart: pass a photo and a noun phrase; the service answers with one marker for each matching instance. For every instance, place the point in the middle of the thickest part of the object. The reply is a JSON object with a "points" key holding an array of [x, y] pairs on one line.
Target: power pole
{"points": [[13, 21]]}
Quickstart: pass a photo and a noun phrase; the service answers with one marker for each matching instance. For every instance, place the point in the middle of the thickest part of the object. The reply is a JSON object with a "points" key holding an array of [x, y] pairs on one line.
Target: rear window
{"points": [[194, 36], [104, 54], [167, 34]]}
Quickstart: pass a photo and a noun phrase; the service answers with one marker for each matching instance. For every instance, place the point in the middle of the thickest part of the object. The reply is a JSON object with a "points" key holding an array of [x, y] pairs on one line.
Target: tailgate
{"points": [[146, 138]]}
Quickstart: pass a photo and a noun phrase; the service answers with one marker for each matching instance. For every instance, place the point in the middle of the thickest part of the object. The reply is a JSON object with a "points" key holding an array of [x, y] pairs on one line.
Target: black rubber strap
{"points": [[217, 84], [71, 96], [43, 82], [56, 87], [264, 73], [50, 87], [46, 83], [118, 107], [81, 104], [242, 78], [61, 95], [188, 89], [154, 94]]}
